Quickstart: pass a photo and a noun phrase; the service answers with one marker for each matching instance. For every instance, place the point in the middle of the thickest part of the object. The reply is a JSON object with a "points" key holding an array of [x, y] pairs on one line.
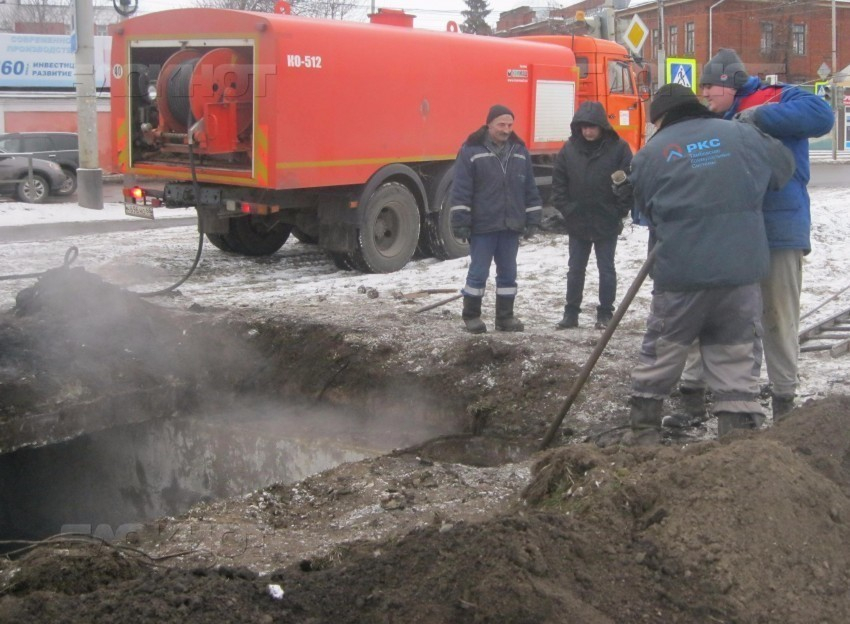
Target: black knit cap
{"points": [[725, 69], [497, 110], [668, 97]]}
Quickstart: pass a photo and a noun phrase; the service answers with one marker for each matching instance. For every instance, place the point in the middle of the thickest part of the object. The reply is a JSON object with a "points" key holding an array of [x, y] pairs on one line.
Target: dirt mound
{"points": [[753, 529], [76, 350]]}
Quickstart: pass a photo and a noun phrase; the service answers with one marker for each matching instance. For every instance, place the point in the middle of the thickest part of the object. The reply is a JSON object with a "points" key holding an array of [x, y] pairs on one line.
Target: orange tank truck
{"points": [[339, 133]]}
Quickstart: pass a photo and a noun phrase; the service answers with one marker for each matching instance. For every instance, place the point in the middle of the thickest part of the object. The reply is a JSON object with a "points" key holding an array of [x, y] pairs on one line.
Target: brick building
{"points": [[773, 37]]}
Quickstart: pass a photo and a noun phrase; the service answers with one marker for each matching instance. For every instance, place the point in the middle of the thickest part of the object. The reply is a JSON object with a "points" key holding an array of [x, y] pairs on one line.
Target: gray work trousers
{"points": [[781, 322], [727, 324]]}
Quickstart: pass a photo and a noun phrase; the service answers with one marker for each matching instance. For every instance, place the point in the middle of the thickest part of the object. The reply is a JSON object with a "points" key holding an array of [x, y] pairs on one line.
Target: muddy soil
{"points": [[474, 526]]}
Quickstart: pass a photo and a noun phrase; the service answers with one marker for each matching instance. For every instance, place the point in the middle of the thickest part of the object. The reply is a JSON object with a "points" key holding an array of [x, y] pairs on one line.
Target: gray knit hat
{"points": [[725, 69]]}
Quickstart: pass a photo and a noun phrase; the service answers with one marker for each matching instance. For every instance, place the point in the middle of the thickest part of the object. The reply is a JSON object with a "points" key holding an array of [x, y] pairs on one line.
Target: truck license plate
{"points": [[138, 210]]}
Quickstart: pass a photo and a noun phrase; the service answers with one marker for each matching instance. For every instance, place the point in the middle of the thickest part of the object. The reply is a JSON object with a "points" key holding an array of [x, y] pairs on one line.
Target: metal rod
{"points": [[823, 303], [439, 303], [583, 376]]}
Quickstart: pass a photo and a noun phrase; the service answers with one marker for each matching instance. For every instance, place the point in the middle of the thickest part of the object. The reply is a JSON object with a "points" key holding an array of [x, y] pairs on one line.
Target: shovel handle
{"points": [[431, 306]]}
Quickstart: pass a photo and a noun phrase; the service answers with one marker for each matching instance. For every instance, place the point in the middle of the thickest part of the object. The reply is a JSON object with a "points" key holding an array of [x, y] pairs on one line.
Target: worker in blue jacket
{"points": [[494, 200]]}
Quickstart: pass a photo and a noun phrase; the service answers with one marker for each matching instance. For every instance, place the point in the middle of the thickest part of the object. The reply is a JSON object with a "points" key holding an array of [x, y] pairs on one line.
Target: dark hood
{"points": [[591, 113]]}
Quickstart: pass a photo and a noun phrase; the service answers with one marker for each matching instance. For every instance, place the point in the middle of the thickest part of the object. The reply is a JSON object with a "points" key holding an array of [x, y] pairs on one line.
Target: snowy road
{"points": [[301, 280]]}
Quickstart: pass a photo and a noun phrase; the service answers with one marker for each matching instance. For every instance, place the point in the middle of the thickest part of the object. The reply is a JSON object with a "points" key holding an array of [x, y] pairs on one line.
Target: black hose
{"points": [[196, 190], [70, 255], [177, 92]]}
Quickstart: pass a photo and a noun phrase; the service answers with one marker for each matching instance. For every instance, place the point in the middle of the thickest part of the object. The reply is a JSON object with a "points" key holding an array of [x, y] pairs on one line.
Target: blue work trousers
{"points": [[501, 246]]}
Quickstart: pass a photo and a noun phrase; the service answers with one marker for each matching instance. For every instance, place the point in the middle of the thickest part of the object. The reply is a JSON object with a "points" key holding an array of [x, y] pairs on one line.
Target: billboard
{"points": [[47, 61]]}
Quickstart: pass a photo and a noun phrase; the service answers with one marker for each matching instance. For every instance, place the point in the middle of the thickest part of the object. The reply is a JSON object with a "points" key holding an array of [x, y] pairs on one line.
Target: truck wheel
{"points": [[342, 261], [390, 230], [69, 184], [302, 236], [219, 241], [438, 225], [35, 192], [251, 238]]}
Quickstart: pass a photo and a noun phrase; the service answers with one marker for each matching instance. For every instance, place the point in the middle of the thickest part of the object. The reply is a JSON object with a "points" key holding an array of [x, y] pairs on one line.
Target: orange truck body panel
{"points": [[338, 100], [342, 132]]}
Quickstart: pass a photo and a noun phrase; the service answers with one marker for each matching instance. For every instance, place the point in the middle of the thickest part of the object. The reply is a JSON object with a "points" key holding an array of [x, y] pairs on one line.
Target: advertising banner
{"points": [[47, 62]]}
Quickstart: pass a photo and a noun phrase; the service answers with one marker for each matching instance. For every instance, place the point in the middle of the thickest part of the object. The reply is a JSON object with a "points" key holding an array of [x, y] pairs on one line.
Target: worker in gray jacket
{"points": [[700, 182]]}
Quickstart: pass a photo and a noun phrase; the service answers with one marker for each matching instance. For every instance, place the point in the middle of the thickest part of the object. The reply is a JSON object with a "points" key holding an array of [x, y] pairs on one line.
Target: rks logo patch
{"points": [[673, 151], [703, 145], [697, 150]]}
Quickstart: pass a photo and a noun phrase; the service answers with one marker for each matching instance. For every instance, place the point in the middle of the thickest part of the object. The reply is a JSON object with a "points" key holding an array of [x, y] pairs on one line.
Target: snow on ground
{"points": [[300, 279]]}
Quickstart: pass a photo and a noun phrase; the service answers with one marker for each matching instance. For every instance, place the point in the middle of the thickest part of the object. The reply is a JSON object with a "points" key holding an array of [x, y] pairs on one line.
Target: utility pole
{"points": [[662, 55], [89, 175], [834, 102]]}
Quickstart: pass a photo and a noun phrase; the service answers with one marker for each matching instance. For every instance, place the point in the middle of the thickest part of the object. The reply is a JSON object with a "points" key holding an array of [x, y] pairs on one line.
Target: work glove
{"points": [[621, 186], [623, 192], [748, 115], [530, 231], [462, 232]]}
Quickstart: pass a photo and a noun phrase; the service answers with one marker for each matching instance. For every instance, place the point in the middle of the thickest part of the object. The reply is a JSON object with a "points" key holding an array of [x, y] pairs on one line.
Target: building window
{"points": [[101, 29], [654, 52], [689, 38], [673, 41], [766, 37], [798, 39]]}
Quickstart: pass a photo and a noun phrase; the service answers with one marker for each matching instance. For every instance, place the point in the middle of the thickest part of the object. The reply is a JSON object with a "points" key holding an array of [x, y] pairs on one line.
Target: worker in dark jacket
{"points": [[582, 193], [701, 182], [793, 116], [494, 200]]}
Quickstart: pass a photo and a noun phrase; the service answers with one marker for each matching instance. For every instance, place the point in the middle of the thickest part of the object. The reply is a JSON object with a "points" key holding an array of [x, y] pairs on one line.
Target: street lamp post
{"points": [[89, 175]]}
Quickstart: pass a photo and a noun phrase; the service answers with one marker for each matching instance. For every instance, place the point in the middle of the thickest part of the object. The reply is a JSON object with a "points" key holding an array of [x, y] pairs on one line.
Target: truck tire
{"points": [[69, 184], [251, 238], [440, 241], [35, 192], [219, 241], [302, 237], [390, 230]]}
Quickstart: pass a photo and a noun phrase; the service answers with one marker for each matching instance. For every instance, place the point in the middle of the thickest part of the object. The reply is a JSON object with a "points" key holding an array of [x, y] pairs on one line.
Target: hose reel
{"points": [[208, 95]]}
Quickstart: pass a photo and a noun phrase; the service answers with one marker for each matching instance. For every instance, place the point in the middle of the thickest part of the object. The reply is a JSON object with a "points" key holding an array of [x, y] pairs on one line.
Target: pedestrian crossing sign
{"points": [[682, 71], [820, 89]]}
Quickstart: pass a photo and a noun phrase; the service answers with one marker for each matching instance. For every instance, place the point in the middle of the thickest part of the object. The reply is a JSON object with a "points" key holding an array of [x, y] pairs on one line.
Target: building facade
{"points": [[791, 41]]}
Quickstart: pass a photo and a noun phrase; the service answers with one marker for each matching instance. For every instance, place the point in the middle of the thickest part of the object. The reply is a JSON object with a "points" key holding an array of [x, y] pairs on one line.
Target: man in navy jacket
{"points": [[494, 200]]}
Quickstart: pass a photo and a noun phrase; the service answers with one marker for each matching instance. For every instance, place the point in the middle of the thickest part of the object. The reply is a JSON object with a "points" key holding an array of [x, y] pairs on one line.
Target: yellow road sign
{"points": [[635, 34]]}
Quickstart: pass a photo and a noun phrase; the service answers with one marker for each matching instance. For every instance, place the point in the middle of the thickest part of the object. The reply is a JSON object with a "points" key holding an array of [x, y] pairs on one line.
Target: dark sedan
{"points": [[15, 179]]}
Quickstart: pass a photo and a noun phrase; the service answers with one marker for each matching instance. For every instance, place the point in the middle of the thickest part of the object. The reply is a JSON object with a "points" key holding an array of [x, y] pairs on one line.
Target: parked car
{"points": [[62, 148], [15, 179]]}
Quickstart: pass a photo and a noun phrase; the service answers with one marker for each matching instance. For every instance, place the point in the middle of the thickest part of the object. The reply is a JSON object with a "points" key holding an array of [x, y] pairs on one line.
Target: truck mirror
{"points": [[644, 87]]}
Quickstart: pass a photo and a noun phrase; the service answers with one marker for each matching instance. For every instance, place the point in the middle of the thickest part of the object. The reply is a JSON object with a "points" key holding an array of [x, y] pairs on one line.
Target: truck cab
{"points": [[607, 74]]}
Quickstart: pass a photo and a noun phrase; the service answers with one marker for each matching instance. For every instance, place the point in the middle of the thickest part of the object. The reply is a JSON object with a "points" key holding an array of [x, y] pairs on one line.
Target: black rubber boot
{"points": [[728, 421], [645, 419], [693, 414], [602, 320], [472, 315], [781, 406], [569, 321], [505, 320]]}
